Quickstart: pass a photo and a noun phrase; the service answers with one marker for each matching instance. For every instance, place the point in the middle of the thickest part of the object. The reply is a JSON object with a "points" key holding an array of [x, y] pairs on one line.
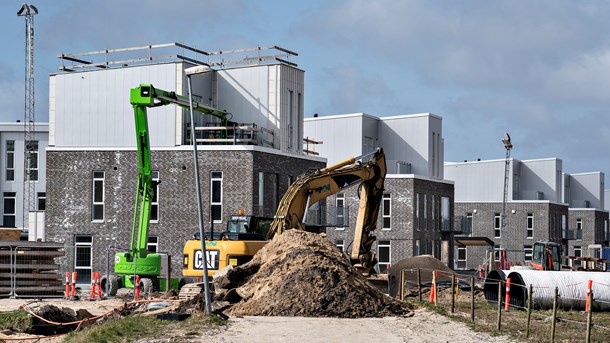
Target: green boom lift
{"points": [[138, 260]]}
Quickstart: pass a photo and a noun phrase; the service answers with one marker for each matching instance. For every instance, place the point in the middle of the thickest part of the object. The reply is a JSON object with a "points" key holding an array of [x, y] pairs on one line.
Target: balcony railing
{"points": [[571, 234]]}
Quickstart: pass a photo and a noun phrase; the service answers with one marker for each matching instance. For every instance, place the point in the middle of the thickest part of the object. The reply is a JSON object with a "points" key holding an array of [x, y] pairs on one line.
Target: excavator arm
{"points": [[316, 185]]}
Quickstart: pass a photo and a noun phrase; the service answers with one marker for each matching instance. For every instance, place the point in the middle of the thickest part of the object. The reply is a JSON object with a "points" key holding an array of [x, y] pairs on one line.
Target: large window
{"points": [[468, 224], [384, 249], [577, 253], [497, 225], [527, 251], [154, 206], [417, 212], [153, 244], [461, 258], [98, 196], [340, 244], [290, 118], [32, 161], [445, 210], [10, 160], [42, 201], [8, 209], [216, 196], [530, 226], [340, 204], [387, 212], [82, 259]]}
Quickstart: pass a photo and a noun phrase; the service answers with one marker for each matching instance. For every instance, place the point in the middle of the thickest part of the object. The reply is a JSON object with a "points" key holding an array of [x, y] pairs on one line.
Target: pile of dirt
{"points": [[425, 263], [303, 274], [53, 314]]}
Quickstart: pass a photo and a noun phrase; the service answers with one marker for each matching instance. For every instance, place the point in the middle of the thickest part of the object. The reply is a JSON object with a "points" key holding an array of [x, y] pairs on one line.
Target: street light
{"points": [[206, 287]]}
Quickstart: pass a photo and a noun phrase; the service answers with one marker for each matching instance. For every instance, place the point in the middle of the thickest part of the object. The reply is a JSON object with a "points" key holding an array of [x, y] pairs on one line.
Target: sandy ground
{"points": [[423, 326]]}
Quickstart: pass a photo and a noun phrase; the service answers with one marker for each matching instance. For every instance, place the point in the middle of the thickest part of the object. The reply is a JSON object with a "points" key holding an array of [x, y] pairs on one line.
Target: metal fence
{"points": [[30, 270]]}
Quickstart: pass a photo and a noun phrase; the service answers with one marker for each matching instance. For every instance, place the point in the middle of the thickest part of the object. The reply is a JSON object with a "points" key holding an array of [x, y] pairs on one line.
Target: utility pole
{"points": [[29, 145], [508, 146]]}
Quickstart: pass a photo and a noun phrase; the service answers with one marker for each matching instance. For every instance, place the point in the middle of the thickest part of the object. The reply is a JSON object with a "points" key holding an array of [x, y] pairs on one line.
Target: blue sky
{"points": [[539, 70]]}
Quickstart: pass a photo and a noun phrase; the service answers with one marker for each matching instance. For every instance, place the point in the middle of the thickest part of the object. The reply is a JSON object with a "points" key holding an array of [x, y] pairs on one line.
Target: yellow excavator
{"points": [[368, 171]]}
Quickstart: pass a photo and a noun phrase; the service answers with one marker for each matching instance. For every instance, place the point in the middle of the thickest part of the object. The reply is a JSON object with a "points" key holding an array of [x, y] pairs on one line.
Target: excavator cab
{"points": [[546, 256]]}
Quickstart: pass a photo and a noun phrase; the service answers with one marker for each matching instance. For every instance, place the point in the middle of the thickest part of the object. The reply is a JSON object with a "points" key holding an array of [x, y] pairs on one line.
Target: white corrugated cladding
{"points": [[477, 181], [415, 139], [341, 135], [92, 109], [587, 187], [291, 108], [269, 96], [541, 180]]}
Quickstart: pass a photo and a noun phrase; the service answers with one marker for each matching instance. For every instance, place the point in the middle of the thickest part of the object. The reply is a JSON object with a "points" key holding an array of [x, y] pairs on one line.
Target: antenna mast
{"points": [[30, 148]]}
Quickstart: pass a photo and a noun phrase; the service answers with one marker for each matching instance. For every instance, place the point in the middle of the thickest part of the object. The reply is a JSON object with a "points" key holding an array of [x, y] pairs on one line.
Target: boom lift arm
{"points": [[311, 187], [141, 98]]}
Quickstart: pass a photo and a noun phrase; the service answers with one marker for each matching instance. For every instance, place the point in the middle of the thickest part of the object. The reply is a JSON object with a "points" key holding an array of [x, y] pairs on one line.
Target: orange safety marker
{"points": [[73, 284], [588, 301], [67, 285], [99, 285], [92, 297], [507, 302], [433, 288], [137, 287]]}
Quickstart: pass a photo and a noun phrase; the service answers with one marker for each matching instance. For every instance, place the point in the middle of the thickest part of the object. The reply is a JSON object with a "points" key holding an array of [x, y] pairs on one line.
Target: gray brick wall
{"points": [[403, 235], [69, 195]]}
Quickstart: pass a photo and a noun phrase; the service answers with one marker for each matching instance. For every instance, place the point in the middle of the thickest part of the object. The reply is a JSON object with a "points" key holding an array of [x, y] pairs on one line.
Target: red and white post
{"points": [[507, 302]]}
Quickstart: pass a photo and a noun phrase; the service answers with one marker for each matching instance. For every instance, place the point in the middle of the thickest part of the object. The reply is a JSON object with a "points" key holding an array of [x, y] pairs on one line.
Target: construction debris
{"points": [[301, 274]]}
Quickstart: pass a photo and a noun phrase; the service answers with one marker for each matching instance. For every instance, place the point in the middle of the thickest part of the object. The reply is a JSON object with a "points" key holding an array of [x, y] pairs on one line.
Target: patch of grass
{"points": [[132, 328], [570, 326], [18, 321]]}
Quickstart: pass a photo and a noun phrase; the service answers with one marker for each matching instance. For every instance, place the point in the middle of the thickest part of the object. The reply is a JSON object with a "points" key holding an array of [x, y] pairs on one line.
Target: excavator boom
{"points": [[315, 185]]}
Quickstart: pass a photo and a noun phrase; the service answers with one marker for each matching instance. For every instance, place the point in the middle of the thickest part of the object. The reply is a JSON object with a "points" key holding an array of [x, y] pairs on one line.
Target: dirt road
{"points": [[423, 326]]}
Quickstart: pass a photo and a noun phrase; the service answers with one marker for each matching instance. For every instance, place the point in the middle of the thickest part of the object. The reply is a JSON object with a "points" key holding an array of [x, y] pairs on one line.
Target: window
{"points": [[383, 255], [497, 253], [578, 232], [445, 219], [461, 258], [10, 160], [426, 210], [153, 244], [32, 161], [530, 226], [82, 259], [340, 244], [468, 223], [216, 196], [527, 251], [417, 211], [98, 196], [497, 225], [8, 209], [290, 118], [340, 203], [387, 212], [577, 253], [417, 251], [42, 201], [154, 206]]}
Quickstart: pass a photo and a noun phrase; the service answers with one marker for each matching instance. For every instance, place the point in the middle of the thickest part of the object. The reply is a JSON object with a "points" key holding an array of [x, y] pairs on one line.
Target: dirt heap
{"points": [[425, 263], [303, 274]]}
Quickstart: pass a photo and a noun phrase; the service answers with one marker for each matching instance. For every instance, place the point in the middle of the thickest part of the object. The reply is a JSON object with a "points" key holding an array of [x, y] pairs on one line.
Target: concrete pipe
{"points": [[572, 286]]}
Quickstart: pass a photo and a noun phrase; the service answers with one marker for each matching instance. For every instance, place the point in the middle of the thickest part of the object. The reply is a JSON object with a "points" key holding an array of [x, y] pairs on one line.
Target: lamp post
{"points": [[193, 71], [508, 146]]}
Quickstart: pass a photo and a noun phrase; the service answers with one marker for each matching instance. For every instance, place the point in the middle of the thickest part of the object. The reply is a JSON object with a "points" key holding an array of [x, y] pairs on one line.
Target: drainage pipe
{"points": [[490, 286], [572, 287]]}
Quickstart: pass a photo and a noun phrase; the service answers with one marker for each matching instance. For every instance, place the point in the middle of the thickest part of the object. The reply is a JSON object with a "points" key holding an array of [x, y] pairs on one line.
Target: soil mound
{"points": [[303, 274], [426, 264]]}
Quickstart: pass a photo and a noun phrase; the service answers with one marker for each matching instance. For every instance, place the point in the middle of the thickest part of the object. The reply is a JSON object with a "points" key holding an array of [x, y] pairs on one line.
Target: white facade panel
{"points": [[341, 135], [14, 132], [541, 180], [478, 181], [92, 109], [587, 190]]}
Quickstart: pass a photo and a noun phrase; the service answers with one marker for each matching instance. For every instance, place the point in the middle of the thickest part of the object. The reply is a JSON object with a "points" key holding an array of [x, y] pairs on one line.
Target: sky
{"points": [[539, 70]]}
